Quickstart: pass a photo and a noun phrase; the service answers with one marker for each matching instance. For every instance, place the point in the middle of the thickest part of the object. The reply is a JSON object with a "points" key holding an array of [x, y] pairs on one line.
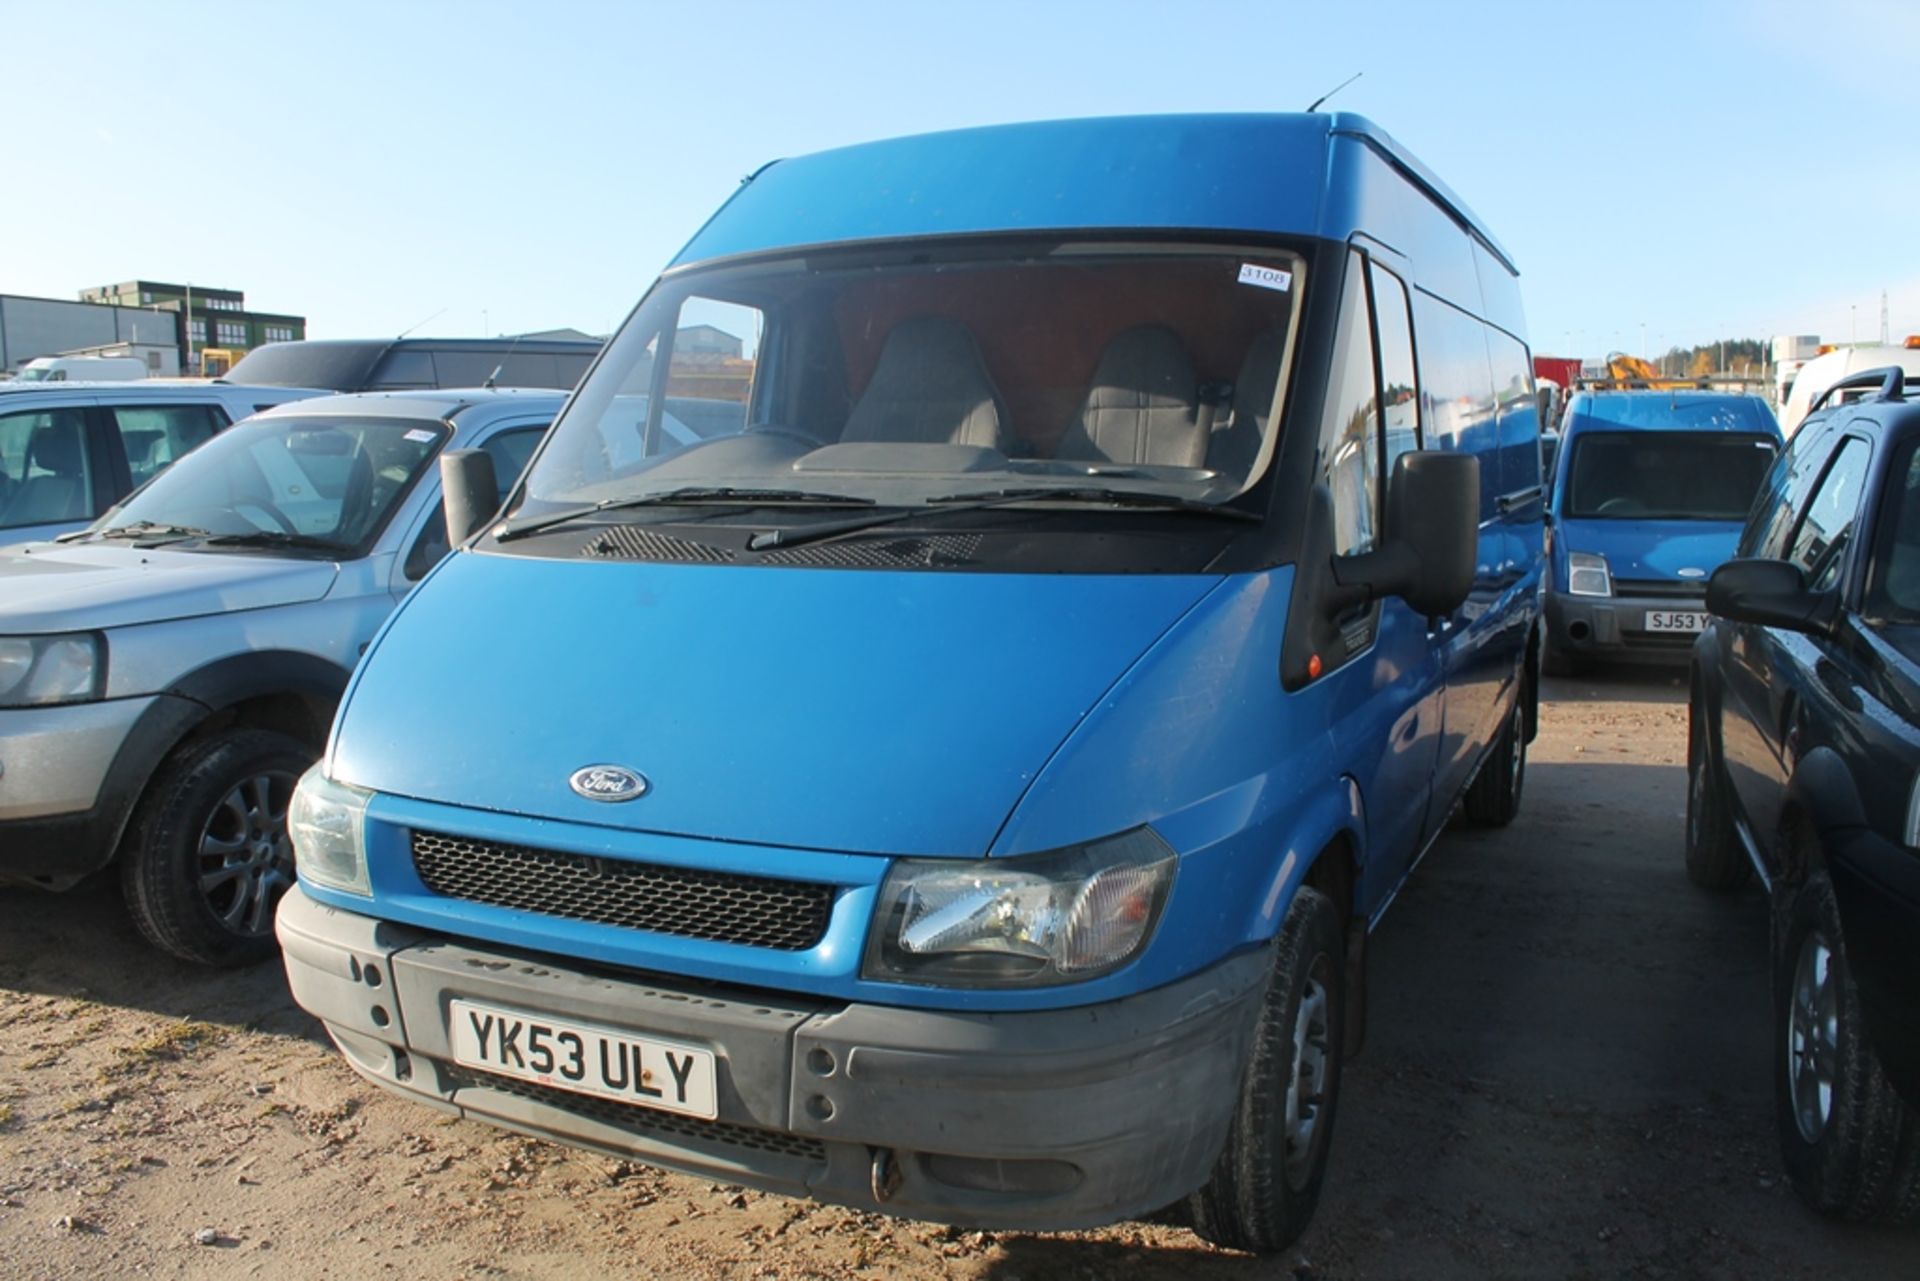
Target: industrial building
{"points": [[220, 327]]}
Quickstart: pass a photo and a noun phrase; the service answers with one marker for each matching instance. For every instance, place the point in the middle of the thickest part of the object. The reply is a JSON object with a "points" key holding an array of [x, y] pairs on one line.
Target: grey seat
{"points": [[1143, 406], [929, 387], [1236, 444], [55, 485]]}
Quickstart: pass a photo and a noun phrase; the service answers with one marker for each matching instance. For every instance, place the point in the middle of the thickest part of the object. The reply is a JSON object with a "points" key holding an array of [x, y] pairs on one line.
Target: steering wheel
{"points": [[1623, 507], [808, 439], [267, 509]]}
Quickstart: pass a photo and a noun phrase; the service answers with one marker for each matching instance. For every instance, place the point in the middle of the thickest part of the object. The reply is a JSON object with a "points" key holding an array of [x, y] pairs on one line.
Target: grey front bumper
{"points": [[1615, 626], [1041, 1120]]}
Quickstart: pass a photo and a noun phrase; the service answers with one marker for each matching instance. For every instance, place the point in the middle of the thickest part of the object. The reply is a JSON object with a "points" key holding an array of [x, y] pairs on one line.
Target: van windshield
{"points": [[902, 377], [1666, 475]]}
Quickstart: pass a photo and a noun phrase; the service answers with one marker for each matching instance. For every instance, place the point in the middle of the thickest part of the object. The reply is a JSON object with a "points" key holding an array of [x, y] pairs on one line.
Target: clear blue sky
{"points": [[1707, 168]]}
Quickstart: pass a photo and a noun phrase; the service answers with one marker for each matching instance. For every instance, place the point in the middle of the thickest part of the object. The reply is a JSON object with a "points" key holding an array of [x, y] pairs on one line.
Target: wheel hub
{"points": [[246, 857], [1307, 1080], [1813, 1037]]}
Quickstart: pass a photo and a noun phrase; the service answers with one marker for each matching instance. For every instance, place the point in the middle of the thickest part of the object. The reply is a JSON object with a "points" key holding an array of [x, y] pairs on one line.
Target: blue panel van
{"points": [[959, 779], [1650, 489]]}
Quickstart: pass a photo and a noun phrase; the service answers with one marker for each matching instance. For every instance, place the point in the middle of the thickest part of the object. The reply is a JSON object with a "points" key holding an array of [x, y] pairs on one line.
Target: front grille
{"points": [[641, 1121], [1662, 588], [790, 916]]}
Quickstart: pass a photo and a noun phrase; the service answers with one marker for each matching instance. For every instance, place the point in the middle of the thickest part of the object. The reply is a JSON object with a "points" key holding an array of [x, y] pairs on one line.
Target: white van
{"points": [[93, 369], [1825, 370]]}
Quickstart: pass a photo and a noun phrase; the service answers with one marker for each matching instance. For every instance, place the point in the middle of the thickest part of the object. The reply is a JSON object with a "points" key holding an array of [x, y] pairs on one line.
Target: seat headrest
{"points": [[1142, 406], [57, 448], [930, 387]]}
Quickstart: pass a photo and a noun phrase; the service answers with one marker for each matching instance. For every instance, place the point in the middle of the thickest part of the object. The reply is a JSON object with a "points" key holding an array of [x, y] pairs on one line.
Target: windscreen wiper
{"points": [[138, 529], [275, 538], [689, 494], [769, 539]]}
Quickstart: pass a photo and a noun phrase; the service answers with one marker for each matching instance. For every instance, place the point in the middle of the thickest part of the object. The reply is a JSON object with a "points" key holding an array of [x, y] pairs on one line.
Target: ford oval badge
{"points": [[1691, 572], [608, 783]]}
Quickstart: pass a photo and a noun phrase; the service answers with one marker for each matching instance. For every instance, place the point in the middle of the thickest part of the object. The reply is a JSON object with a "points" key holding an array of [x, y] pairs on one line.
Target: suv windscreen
{"points": [[899, 377], [325, 482], [1666, 475]]}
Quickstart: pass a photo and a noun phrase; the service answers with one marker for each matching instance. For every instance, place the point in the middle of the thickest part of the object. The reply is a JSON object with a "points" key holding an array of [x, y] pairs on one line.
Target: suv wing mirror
{"points": [[469, 490], [1433, 536], [1772, 593]]}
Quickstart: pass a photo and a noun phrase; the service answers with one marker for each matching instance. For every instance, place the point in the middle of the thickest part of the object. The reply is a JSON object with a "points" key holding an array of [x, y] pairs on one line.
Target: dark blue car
{"points": [[1804, 766], [1649, 490]]}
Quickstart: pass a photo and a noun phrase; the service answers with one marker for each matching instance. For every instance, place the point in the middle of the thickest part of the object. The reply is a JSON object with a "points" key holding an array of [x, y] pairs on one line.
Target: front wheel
{"points": [[1850, 1144], [1715, 860], [208, 855], [1266, 1181], [1494, 798]]}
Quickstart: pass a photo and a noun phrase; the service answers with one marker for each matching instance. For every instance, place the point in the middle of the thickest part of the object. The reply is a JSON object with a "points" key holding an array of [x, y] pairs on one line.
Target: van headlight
{"points": [[36, 671], [327, 822], [1588, 575], [1061, 917]]}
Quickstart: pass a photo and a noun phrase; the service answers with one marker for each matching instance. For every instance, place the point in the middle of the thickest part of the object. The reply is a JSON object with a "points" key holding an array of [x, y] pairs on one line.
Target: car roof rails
{"points": [[1892, 380]]}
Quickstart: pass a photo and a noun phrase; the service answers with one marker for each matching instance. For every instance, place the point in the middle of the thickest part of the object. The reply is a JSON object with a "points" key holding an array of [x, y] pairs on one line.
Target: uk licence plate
{"points": [[1672, 620], [585, 1058]]}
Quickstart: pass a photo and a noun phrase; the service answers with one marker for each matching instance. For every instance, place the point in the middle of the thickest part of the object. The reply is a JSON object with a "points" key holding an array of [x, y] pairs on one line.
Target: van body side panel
{"points": [[1365, 194], [1244, 779]]}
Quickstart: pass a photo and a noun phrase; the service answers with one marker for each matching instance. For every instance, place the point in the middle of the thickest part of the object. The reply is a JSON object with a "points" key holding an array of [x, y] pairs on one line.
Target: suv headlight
{"points": [[327, 822], [36, 671], [1061, 917], [1588, 575]]}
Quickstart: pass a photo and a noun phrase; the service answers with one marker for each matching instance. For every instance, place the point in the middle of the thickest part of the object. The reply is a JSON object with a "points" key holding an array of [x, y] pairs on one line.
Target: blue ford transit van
{"points": [[1649, 493], [960, 784]]}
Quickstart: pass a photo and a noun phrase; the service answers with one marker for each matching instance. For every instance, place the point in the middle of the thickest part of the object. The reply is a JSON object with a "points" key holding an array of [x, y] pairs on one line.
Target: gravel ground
{"points": [[1567, 1074]]}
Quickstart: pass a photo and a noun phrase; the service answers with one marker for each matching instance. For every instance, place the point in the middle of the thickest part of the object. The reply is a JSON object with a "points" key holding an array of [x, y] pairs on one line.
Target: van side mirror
{"points": [[470, 491], [1432, 540], [1772, 593]]}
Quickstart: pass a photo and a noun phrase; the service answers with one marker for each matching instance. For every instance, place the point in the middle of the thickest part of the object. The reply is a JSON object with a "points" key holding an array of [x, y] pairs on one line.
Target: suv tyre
{"points": [[207, 854], [1266, 1181], [1715, 859], [1849, 1143]]}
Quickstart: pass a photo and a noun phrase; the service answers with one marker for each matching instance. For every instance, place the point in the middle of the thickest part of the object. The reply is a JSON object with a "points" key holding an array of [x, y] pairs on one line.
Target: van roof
{"points": [[1691, 411], [1186, 172]]}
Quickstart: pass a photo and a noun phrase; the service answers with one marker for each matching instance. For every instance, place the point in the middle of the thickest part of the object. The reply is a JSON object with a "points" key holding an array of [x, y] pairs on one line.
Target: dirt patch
{"points": [[1567, 1074]]}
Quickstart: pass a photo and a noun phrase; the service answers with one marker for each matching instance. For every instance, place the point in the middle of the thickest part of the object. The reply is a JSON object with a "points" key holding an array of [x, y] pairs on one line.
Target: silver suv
{"points": [[168, 673], [69, 451]]}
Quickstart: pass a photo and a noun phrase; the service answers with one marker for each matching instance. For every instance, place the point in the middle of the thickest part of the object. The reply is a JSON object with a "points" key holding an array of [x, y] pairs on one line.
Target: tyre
{"points": [[1494, 797], [1267, 1179], [1850, 1144], [207, 856], [1715, 859]]}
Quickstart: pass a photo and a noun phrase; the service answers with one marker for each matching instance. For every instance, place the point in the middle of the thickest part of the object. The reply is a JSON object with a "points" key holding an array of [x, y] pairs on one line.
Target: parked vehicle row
{"points": [[948, 757]]}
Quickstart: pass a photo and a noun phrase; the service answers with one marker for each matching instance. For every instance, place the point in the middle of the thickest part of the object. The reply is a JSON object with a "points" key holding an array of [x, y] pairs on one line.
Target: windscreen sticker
{"points": [[419, 437], [1265, 277]]}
